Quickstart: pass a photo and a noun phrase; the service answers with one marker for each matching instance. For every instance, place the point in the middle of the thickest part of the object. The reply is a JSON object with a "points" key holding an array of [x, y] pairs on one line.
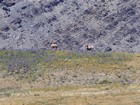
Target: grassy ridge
{"points": [[35, 63]]}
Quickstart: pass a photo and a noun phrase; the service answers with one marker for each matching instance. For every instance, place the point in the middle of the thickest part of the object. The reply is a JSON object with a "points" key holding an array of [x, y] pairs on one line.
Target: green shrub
{"points": [[105, 82]]}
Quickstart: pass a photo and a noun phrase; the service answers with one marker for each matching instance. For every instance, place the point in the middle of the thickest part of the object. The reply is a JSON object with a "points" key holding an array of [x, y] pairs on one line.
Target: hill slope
{"points": [[110, 25]]}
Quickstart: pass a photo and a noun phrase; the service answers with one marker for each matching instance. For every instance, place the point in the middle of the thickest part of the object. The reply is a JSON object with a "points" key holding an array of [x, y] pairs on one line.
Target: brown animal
{"points": [[89, 47], [53, 45]]}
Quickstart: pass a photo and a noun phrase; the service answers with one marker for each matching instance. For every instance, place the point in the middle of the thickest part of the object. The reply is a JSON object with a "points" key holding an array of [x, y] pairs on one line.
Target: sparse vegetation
{"points": [[105, 82], [30, 64], [36, 63], [45, 76]]}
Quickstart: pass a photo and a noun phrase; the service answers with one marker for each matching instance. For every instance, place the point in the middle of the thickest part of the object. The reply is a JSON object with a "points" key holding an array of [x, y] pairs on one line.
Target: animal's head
{"points": [[86, 45]]}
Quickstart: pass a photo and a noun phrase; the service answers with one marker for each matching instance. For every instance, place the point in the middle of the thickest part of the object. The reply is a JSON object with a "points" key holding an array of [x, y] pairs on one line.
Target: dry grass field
{"points": [[96, 95], [69, 78]]}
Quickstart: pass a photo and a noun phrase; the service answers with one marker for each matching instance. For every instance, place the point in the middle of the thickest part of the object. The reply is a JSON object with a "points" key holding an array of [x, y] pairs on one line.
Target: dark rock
{"points": [[131, 40], [1, 1], [6, 9], [24, 7], [108, 49], [4, 36], [54, 18], [8, 3], [17, 21], [5, 28]]}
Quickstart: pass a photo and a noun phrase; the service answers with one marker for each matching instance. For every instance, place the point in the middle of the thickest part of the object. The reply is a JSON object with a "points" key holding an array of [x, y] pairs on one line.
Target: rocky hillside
{"points": [[109, 25]]}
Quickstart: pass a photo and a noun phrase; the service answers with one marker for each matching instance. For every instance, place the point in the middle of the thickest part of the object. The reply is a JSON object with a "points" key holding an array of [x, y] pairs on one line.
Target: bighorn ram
{"points": [[53, 45], [89, 47]]}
